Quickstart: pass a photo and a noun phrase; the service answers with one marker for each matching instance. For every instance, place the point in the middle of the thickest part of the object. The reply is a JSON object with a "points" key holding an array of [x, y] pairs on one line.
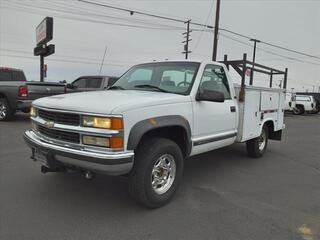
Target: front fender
{"points": [[144, 126]]}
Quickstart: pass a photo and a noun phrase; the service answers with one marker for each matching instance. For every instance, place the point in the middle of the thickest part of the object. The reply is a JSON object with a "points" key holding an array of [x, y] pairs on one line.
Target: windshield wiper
{"points": [[151, 86], [116, 88]]}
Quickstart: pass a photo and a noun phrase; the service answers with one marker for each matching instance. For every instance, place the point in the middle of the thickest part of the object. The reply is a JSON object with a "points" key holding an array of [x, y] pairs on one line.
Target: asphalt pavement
{"points": [[225, 195]]}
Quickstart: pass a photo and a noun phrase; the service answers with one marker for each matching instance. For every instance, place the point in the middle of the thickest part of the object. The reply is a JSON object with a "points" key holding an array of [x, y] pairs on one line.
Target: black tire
{"points": [[298, 110], [6, 113], [253, 146], [140, 178], [317, 110]]}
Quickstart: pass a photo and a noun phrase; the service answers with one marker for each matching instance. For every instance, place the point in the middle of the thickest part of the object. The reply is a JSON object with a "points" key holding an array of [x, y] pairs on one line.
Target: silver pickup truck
{"points": [[16, 93]]}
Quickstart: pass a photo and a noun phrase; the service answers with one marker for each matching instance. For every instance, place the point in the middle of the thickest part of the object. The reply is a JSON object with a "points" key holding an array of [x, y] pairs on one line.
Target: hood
{"points": [[108, 101]]}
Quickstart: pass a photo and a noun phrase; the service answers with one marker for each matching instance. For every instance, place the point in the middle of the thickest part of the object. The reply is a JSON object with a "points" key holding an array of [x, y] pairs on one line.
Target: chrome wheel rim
{"points": [[262, 140], [3, 110], [163, 174]]}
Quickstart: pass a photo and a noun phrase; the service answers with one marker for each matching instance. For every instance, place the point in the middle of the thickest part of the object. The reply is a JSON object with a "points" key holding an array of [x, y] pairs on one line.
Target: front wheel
{"points": [[157, 172], [298, 110], [257, 146]]}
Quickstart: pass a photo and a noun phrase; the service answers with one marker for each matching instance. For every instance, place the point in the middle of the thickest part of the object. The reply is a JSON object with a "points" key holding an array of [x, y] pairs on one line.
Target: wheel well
{"points": [[3, 96], [273, 135], [300, 105], [175, 133]]}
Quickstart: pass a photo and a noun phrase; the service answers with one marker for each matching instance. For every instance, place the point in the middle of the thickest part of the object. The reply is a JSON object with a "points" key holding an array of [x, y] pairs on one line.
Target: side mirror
{"points": [[210, 95], [70, 86]]}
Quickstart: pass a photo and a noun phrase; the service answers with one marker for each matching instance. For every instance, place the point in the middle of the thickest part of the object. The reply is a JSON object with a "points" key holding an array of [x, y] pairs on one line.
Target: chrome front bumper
{"points": [[111, 163]]}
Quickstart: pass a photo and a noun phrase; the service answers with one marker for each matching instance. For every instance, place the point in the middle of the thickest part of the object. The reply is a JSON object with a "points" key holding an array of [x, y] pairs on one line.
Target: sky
{"points": [[82, 33]]}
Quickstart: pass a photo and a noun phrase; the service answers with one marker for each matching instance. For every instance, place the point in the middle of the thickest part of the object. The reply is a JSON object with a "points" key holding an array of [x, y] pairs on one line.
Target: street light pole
{"points": [[216, 32], [254, 58]]}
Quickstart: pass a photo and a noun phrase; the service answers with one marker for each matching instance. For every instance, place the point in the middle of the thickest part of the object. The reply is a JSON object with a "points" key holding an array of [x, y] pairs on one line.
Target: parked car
{"points": [[156, 115], [305, 103], [91, 83], [16, 93], [290, 102]]}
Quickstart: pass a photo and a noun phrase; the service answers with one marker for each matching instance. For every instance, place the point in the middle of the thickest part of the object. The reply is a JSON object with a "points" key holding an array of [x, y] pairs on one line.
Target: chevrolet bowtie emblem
{"points": [[49, 124]]}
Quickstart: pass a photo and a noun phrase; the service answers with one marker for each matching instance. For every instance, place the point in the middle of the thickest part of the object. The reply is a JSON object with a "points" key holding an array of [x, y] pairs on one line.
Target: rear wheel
{"points": [[317, 110], [6, 112], [256, 147], [156, 173], [298, 110]]}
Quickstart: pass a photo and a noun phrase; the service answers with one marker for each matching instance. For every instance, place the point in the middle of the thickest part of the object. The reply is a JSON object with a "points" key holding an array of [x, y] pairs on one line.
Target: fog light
{"points": [[96, 141]]}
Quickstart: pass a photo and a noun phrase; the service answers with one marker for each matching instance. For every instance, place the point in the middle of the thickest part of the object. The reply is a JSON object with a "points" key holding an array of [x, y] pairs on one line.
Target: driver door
{"points": [[214, 122]]}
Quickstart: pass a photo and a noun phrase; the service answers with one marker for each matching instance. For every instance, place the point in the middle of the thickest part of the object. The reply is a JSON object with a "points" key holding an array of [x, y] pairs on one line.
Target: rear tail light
{"points": [[65, 89], [23, 91], [312, 105]]}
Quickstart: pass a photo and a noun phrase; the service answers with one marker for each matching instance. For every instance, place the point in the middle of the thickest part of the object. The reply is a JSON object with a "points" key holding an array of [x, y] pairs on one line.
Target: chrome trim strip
{"points": [[82, 152], [214, 138]]}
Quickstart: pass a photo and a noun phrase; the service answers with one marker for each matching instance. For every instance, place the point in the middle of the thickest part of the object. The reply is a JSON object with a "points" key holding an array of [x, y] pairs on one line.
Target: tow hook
{"points": [[88, 175]]}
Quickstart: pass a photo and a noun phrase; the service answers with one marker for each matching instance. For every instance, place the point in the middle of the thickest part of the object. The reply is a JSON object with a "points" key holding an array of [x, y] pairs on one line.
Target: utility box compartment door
{"points": [[269, 101], [249, 116]]}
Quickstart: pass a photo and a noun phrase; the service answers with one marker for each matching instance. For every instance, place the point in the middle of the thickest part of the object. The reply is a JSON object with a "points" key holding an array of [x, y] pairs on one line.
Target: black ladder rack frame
{"points": [[241, 66]]}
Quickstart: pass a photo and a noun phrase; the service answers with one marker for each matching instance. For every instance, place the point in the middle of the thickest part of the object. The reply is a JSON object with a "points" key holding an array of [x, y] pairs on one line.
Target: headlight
{"points": [[102, 122], [33, 112]]}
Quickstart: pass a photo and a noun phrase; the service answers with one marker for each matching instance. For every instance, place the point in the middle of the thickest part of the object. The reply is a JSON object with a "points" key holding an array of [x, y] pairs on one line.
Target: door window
{"points": [[94, 82], [215, 79], [81, 83]]}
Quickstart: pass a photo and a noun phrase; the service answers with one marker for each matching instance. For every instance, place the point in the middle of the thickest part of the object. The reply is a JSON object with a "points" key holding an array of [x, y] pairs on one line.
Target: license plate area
{"points": [[40, 156]]}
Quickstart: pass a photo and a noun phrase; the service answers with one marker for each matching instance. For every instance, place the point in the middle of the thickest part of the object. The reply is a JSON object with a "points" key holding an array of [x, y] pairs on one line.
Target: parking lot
{"points": [[225, 194]]}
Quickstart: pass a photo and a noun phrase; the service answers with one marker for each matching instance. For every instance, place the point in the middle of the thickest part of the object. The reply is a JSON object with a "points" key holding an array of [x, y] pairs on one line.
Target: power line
{"points": [[270, 52], [198, 24], [67, 61], [93, 20], [168, 27]]}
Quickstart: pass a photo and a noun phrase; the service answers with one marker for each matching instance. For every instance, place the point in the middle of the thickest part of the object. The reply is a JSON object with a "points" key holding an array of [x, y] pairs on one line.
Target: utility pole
{"points": [[254, 58], [104, 55], [41, 68], [186, 42], [216, 32]]}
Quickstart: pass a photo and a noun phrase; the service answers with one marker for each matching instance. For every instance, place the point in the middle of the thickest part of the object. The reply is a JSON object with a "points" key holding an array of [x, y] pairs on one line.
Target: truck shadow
{"points": [[107, 193]]}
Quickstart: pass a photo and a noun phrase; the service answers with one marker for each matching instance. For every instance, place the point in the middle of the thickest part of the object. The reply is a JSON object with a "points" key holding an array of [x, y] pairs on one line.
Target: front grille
{"points": [[59, 135], [60, 117]]}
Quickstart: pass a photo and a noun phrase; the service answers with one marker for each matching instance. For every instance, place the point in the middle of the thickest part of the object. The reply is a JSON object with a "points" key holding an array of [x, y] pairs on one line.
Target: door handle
{"points": [[232, 109]]}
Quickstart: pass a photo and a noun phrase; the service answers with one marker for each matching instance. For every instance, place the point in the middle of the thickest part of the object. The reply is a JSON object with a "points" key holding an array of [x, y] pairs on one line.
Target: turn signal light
{"points": [[116, 142]]}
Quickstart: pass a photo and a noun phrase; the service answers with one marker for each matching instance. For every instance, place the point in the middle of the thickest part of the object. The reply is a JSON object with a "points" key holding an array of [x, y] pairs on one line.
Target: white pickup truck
{"points": [[305, 103], [154, 117]]}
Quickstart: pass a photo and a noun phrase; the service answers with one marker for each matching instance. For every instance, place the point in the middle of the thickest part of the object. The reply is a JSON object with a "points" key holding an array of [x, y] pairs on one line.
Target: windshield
{"points": [[173, 77]]}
